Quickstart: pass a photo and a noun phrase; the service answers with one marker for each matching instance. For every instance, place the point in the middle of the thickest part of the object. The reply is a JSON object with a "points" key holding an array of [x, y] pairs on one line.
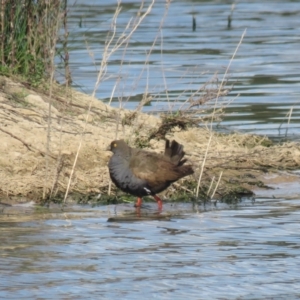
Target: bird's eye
{"points": [[115, 145]]}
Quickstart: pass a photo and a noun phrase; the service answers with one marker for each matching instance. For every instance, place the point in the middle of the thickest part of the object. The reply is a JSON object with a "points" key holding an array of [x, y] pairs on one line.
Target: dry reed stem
{"points": [[202, 166], [216, 187], [2, 31], [211, 132], [163, 72], [289, 120], [112, 93], [288, 116], [155, 39], [51, 41], [227, 69], [210, 186]]}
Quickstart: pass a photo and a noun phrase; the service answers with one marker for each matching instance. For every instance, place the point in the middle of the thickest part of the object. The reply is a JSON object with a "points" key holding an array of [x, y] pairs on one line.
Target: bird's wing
{"points": [[154, 168]]}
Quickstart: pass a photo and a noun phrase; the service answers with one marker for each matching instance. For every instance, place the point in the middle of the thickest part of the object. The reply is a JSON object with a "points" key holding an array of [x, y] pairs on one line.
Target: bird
{"points": [[144, 173]]}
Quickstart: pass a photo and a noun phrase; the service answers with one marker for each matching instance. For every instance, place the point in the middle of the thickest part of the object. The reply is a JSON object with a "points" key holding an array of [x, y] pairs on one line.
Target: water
{"points": [[265, 70], [247, 251]]}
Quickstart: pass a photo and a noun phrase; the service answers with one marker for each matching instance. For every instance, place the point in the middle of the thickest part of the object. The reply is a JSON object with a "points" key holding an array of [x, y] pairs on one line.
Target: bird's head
{"points": [[118, 146]]}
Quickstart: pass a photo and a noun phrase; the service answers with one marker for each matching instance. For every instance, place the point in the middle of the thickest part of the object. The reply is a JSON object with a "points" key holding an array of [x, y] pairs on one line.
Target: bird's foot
{"points": [[159, 202], [138, 211], [138, 202]]}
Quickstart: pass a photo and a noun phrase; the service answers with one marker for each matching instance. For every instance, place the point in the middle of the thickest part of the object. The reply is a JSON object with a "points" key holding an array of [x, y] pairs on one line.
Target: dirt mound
{"points": [[40, 137]]}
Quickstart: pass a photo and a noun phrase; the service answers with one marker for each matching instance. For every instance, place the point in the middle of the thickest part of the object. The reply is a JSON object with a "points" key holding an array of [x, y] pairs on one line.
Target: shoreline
{"points": [[40, 146]]}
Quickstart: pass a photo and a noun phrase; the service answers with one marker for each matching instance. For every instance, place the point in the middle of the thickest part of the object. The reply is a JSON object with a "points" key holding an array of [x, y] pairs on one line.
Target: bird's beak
{"points": [[108, 148]]}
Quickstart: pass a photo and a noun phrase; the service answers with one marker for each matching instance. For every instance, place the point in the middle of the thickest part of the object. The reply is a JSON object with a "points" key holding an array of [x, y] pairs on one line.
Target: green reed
{"points": [[29, 32]]}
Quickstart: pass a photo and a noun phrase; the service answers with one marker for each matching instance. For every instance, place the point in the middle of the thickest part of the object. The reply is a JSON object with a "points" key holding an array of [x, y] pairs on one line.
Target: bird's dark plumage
{"points": [[140, 173]]}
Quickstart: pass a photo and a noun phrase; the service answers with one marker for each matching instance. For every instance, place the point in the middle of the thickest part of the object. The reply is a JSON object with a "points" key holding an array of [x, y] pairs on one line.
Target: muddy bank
{"points": [[40, 137]]}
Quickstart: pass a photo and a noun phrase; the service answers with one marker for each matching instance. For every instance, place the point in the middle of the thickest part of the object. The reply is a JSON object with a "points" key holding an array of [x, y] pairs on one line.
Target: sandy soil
{"points": [[40, 137]]}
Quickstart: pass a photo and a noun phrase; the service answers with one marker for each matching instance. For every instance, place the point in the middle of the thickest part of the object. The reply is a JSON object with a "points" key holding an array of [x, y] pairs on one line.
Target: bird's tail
{"points": [[175, 152], [186, 170]]}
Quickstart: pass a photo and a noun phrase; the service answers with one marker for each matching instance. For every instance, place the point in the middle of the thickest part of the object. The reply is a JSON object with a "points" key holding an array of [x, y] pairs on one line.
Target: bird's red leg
{"points": [[159, 202], [138, 205], [138, 211], [138, 202]]}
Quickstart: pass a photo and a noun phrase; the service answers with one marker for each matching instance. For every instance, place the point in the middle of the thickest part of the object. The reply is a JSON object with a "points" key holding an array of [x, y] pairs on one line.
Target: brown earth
{"points": [[39, 143]]}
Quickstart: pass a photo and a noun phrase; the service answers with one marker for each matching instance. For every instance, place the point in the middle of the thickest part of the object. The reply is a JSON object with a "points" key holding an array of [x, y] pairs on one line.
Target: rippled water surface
{"points": [[265, 70], [247, 251]]}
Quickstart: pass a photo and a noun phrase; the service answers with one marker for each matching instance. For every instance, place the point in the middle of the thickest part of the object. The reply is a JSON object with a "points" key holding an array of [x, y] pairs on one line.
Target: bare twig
{"points": [[28, 146]]}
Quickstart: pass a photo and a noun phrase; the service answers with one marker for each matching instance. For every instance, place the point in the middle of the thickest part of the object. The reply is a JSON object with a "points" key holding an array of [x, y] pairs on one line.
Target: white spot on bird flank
{"points": [[147, 190]]}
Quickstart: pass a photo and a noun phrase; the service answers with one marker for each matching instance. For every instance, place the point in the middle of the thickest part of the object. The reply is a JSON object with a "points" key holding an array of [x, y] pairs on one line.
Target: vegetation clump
{"points": [[29, 34]]}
